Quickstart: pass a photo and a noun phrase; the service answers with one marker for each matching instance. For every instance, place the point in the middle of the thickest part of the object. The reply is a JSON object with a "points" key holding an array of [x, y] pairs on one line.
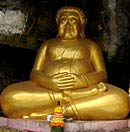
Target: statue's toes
{"points": [[102, 87], [25, 116]]}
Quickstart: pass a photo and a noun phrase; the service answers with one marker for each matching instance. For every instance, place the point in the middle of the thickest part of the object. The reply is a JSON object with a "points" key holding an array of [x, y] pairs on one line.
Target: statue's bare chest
{"points": [[67, 51]]}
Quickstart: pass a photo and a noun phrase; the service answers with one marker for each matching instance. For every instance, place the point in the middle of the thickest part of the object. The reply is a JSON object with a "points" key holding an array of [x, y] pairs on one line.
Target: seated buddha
{"points": [[70, 69]]}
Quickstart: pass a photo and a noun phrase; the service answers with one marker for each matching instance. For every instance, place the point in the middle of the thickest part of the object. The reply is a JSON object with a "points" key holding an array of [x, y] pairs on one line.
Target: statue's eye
{"points": [[73, 20], [63, 20]]}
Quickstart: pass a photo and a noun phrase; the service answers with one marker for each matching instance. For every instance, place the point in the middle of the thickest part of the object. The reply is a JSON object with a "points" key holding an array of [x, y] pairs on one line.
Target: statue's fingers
{"points": [[65, 85], [66, 81], [60, 75], [71, 75], [66, 78]]}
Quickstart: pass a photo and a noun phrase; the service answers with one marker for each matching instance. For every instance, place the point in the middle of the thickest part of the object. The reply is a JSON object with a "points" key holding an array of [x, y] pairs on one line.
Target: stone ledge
{"points": [[76, 126]]}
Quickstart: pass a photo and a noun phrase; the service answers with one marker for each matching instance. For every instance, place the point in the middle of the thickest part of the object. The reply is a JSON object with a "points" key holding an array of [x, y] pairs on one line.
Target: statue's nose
{"points": [[68, 23]]}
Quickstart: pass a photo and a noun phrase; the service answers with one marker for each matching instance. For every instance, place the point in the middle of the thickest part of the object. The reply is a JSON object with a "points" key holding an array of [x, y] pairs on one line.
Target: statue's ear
{"points": [[85, 21]]}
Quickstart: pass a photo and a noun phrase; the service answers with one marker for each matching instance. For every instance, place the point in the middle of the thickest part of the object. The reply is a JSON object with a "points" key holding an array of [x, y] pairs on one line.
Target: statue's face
{"points": [[69, 25]]}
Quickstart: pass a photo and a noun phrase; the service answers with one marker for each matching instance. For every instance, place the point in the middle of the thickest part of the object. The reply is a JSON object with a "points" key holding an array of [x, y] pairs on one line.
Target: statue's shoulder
{"points": [[90, 43], [50, 41]]}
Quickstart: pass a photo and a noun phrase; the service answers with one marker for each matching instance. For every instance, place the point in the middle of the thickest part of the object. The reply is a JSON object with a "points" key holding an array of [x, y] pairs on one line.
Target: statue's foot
{"points": [[69, 95], [101, 87], [95, 89], [25, 117], [34, 116], [41, 114]]}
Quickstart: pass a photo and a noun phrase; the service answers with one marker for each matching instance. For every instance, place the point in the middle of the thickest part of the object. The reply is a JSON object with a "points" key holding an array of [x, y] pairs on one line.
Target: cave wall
{"points": [[108, 25]]}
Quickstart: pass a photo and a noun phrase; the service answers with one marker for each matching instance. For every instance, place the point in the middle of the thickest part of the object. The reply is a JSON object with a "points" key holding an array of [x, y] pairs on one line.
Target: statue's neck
{"points": [[69, 40]]}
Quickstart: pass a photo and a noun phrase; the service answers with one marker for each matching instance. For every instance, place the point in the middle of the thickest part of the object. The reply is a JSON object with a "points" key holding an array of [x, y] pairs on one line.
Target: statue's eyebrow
{"points": [[73, 16], [62, 16]]}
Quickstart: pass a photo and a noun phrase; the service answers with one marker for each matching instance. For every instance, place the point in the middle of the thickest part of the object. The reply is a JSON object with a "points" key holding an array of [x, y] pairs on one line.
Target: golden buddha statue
{"points": [[70, 69]]}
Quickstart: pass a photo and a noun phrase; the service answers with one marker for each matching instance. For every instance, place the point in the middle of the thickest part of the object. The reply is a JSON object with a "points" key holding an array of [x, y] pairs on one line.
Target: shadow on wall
{"points": [[15, 64]]}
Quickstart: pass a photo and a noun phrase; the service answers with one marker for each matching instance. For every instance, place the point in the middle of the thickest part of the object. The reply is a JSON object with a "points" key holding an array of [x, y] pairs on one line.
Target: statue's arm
{"points": [[39, 78], [48, 82], [98, 64], [40, 58], [37, 75]]}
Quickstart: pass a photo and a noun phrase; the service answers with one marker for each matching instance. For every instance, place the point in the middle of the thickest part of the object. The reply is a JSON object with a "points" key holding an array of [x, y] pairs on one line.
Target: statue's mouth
{"points": [[68, 29]]}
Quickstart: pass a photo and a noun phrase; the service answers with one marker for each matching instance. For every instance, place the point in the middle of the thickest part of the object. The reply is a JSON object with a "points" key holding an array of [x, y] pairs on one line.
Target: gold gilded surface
{"points": [[69, 68]]}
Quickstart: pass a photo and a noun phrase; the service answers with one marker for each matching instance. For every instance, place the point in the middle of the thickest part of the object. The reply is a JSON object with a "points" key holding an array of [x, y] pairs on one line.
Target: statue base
{"points": [[25, 125]]}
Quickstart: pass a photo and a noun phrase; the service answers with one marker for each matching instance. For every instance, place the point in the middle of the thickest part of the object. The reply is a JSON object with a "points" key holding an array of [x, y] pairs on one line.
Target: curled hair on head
{"points": [[71, 9], [76, 10]]}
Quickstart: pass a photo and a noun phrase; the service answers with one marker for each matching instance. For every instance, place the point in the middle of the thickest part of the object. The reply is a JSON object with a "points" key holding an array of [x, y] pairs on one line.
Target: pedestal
{"points": [[76, 126]]}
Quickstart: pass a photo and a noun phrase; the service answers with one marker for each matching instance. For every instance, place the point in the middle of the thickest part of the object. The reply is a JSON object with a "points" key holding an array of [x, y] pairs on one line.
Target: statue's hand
{"points": [[79, 81], [69, 81], [62, 81]]}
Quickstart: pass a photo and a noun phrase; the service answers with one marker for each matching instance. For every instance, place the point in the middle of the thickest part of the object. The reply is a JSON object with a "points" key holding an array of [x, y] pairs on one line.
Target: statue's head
{"points": [[71, 22]]}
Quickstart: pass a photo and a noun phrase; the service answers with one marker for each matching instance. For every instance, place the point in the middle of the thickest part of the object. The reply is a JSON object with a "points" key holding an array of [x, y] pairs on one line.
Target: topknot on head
{"points": [[72, 9]]}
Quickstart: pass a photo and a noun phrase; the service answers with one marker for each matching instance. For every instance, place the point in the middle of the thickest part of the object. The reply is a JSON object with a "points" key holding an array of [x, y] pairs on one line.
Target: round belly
{"points": [[77, 66]]}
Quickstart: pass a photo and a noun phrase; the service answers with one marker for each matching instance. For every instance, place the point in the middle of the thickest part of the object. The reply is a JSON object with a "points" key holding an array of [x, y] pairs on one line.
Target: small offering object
{"points": [[58, 118]]}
